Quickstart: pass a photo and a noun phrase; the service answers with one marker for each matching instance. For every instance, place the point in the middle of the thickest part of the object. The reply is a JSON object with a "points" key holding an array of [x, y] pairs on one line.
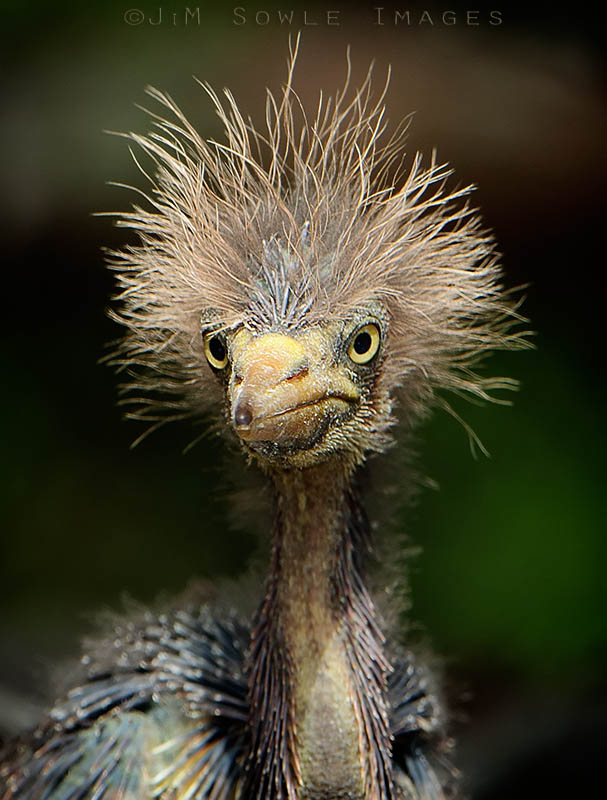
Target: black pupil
{"points": [[216, 349], [362, 343]]}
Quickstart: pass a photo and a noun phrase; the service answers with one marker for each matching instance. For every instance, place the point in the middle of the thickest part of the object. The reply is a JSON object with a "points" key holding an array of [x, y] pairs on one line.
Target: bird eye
{"points": [[365, 344], [215, 351]]}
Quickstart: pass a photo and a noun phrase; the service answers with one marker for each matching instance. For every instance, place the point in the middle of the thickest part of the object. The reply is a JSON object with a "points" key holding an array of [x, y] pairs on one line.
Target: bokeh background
{"points": [[510, 584]]}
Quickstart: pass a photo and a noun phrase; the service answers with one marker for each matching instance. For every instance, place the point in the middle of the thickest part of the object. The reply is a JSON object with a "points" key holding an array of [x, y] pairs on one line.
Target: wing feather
{"points": [[161, 713], [422, 769]]}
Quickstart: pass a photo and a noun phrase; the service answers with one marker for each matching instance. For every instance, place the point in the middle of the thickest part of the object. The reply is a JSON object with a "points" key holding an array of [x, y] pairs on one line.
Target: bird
{"points": [[313, 295]]}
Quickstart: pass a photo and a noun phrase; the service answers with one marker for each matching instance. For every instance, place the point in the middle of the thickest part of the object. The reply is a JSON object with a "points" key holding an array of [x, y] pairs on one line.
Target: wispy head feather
{"points": [[306, 220]]}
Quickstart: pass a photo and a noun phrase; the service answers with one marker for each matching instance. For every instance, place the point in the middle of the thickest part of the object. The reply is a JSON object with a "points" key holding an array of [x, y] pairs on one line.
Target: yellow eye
{"points": [[215, 351], [365, 344]]}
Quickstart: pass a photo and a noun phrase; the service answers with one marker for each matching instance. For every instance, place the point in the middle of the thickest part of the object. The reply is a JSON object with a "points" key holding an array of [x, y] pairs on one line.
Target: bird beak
{"points": [[285, 390]]}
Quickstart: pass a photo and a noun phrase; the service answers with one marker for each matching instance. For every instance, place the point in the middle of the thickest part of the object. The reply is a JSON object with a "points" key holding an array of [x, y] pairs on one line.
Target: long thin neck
{"points": [[318, 673]]}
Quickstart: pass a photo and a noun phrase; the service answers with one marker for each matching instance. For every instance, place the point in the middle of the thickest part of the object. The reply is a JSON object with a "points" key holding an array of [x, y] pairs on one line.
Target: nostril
{"points": [[243, 415], [298, 375]]}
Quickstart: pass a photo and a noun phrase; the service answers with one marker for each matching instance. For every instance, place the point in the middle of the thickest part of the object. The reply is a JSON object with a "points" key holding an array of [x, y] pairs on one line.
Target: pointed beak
{"points": [[284, 391]]}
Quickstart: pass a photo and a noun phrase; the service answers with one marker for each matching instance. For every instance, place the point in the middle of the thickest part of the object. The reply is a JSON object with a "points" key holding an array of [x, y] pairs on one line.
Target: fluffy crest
{"points": [[309, 219]]}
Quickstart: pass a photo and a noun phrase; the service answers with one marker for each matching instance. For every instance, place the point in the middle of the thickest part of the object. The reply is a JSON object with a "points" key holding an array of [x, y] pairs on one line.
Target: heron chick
{"points": [[305, 288]]}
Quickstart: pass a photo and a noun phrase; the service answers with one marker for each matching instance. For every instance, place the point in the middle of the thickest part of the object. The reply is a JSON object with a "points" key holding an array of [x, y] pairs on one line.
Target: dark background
{"points": [[509, 585]]}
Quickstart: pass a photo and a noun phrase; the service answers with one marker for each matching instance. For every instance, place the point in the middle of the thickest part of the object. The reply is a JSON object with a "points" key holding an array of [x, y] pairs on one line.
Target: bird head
{"points": [[303, 281], [297, 396]]}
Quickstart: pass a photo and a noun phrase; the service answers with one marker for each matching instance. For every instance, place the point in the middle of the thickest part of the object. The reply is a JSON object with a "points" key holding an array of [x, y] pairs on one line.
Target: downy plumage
{"points": [[303, 287]]}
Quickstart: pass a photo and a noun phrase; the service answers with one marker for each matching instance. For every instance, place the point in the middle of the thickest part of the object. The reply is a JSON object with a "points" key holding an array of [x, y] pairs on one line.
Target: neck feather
{"points": [[317, 670]]}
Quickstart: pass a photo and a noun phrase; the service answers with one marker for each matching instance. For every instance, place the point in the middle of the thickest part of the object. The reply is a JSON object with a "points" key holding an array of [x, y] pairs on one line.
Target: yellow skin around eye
{"points": [[214, 362], [363, 358]]}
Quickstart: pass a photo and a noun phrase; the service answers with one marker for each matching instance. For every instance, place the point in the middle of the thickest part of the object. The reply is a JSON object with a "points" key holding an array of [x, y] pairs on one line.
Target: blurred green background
{"points": [[509, 586]]}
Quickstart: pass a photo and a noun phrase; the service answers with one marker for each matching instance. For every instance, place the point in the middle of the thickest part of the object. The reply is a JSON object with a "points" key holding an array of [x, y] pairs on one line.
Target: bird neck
{"points": [[317, 650]]}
